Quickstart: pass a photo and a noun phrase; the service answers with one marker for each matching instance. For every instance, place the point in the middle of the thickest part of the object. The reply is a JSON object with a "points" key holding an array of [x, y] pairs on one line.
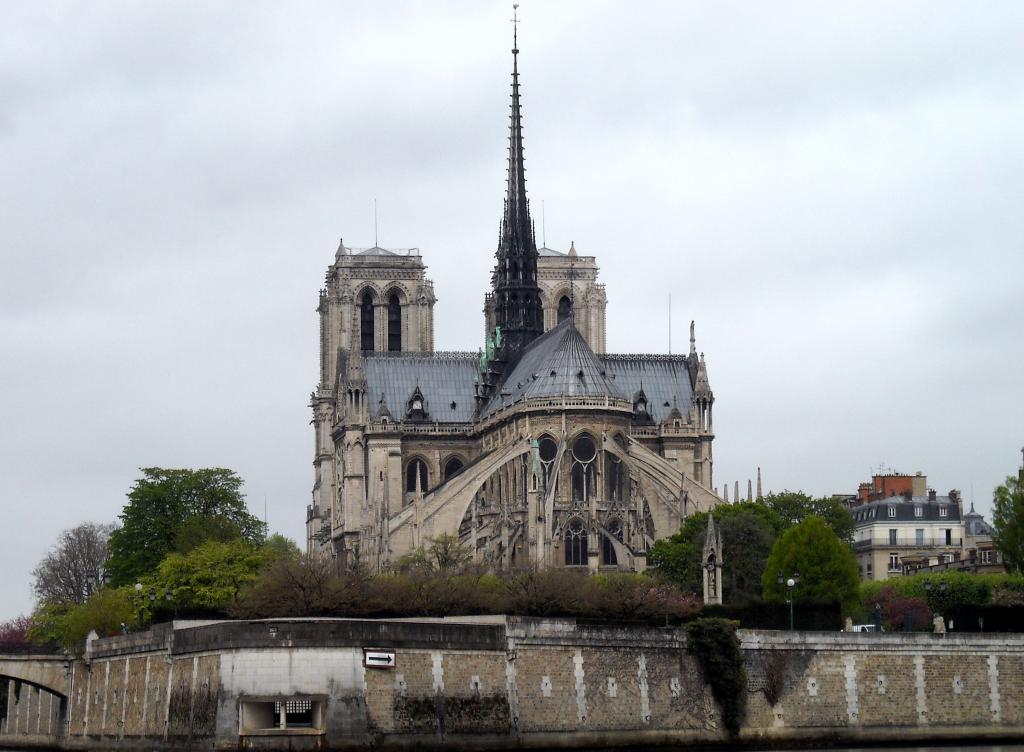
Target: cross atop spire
{"points": [[515, 28]]}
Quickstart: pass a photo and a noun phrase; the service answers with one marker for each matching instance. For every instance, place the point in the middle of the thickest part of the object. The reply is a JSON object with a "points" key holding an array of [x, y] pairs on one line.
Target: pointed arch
{"points": [[366, 320], [574, 540], [394, 322], [564, 308]]}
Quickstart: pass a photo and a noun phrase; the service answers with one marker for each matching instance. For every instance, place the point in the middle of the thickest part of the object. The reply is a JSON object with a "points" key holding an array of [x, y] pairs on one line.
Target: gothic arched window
{"points": [[575, 544], [584, 471], [394, 323], [564, 308], [613, 529], [366, 322], [452, 466], [616, 474], [547, 450], [416, 476]]}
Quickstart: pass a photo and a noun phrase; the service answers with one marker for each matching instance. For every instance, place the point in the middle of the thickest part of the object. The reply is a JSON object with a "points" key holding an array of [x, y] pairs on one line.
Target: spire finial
{"points": [[515, 28], [693, 339], [572, 285]]}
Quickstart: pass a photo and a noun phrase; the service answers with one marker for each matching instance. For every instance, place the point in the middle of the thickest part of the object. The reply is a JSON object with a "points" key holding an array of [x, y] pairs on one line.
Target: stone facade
{"points": [[503, 683]]}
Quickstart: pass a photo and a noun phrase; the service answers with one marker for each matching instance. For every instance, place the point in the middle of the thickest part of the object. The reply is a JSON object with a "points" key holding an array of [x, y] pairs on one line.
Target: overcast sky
{"points": [[832, 190]]}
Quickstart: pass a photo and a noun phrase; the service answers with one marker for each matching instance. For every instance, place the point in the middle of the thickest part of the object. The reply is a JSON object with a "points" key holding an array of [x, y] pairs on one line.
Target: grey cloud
{"points": [[830, 190]]}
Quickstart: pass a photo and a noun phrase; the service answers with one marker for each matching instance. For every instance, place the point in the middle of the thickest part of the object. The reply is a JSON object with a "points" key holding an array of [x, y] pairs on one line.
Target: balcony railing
{"points": [[863, 545]]}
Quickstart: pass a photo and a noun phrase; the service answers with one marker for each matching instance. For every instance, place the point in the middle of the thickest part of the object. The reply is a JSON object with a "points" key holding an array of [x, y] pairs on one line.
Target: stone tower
{"points": [[375, 300]]}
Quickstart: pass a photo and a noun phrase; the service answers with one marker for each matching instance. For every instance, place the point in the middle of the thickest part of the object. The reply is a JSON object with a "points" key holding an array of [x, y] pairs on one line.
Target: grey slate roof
{"points": [[559, 363], [443, 377], [545, 251], [446, 377], [376, 251], [665, 378], [878, 511]]}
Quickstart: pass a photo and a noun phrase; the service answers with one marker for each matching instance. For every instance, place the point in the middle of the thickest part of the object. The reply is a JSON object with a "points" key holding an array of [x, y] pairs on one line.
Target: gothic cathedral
{"points": [[540, 450]]}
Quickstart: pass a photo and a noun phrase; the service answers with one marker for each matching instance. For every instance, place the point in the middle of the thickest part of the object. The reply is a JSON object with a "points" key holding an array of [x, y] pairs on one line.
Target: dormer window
{"points": [[892, 511], [416, 407], [641, 411], [918, 510], [943, 511]]}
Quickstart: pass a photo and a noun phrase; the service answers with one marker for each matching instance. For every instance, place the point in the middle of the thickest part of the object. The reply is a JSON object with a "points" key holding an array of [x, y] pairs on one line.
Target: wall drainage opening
{"points": [[278, 716]]}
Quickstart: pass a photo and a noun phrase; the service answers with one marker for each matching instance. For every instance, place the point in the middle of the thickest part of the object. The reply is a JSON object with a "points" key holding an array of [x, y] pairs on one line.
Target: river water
{"points": [[938, 748]]}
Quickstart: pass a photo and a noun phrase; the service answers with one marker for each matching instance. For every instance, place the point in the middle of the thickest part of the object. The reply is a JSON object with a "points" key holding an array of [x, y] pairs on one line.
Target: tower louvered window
{"points": [[366, 322], [564, 308], [394, 323]]}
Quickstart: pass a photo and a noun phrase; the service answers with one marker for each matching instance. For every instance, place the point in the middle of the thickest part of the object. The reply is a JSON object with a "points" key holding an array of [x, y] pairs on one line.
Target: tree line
{"points": [[187, 546]]}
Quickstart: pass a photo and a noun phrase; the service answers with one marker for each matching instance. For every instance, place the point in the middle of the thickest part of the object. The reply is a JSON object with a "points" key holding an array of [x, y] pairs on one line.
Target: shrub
{"points": [[898, 611], [713, 642]]}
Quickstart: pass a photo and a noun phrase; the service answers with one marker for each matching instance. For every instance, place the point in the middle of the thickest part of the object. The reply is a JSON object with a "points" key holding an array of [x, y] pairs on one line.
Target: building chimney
{"points": [[931, 494]]}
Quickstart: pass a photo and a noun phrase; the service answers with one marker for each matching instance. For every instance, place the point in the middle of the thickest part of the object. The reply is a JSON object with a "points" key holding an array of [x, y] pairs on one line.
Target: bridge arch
{"points": [[34, 693]]}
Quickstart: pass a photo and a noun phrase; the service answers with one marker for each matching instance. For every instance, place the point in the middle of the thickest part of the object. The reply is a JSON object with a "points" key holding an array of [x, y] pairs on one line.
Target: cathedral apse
{"points": [[542, 449]]}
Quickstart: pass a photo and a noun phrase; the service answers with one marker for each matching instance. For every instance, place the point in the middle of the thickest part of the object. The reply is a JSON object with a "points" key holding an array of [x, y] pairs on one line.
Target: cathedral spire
{"points": [[517, 295]]}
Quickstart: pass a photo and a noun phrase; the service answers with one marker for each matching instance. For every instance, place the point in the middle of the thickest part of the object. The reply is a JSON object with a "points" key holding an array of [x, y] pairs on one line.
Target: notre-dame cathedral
{"points": [[540, 450]]}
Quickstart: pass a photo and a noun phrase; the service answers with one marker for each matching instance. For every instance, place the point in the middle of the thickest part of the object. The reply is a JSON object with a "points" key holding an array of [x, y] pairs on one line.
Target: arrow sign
{"points": [[378, 658]]}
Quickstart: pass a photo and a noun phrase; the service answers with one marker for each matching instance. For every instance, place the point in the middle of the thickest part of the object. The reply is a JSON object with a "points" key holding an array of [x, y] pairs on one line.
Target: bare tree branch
{"points": [[74, 568]]}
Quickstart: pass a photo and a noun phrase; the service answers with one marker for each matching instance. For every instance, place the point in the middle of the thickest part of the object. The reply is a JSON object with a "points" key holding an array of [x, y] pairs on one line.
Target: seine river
{"points": [[943, 748], [939, 748]]}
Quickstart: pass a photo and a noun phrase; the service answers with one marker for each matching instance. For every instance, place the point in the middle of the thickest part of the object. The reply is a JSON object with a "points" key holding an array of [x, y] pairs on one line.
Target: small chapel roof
{"points": [[665, 380]]}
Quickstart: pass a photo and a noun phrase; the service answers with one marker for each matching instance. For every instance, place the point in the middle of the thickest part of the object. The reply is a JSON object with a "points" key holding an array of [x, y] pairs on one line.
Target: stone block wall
{"points": [[530, 682]]}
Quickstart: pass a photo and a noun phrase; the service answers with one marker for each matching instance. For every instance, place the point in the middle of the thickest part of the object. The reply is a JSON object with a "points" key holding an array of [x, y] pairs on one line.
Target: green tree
{"points": [[108, 611], [826, 565], [747, 537], [793, 507], [282, 547], [176, 510], [1008, 522], [206, 580]]}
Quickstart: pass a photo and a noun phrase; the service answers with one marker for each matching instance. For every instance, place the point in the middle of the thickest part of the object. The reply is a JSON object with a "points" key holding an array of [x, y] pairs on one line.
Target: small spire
{"points": [[750, 491], [759, 495], [693, 340], [572, 248], [725, 493], [736, 491]]}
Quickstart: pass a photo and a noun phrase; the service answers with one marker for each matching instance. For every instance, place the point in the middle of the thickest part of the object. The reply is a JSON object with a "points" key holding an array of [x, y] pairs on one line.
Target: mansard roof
{"points": [[443, 378], [665, 380], [559, 363], [875, 512]]}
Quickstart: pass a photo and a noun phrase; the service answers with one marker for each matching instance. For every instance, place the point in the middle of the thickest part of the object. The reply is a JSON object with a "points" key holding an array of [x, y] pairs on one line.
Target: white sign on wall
{"points": [[373, 658]]}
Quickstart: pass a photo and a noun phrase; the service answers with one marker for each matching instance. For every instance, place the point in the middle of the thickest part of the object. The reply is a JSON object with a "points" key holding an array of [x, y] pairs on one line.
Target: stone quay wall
{"points": [[504, 682]]}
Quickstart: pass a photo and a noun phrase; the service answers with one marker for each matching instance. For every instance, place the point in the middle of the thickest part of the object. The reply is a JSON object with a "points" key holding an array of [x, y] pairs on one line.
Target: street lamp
{"points": [[790, 583]]}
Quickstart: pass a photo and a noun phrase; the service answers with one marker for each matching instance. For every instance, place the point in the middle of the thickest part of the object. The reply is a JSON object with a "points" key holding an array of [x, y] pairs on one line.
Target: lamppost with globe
{"points": [[790, 583]]}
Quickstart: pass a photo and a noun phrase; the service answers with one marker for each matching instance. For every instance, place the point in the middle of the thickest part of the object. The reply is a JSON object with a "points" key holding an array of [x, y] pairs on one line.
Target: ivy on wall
{"points": [[713, 642]]}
